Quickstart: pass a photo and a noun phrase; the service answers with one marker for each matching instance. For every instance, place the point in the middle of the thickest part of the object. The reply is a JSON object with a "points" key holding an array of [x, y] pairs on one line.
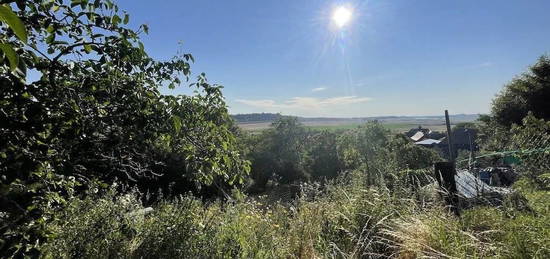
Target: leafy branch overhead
{"points": [[9, 18]]}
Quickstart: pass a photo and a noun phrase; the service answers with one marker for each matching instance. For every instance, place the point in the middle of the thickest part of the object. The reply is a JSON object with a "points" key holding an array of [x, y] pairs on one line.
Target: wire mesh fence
{"points": [[528, 153]]}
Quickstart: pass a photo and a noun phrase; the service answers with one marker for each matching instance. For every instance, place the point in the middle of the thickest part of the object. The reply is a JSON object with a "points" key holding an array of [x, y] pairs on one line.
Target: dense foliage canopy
{"points": [[529, 92]]}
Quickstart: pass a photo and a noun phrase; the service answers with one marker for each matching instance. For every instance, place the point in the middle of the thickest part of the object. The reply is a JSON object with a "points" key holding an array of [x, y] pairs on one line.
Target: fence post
{"points": [[445, 175], [449, 133]]}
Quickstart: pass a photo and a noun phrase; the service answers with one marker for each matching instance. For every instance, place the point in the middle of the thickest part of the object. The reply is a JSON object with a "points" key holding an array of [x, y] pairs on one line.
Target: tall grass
{"points": [[344, 219]]}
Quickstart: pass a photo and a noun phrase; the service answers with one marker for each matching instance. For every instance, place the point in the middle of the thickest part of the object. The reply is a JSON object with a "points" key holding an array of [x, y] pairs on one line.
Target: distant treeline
{"points": [[257, 117]]}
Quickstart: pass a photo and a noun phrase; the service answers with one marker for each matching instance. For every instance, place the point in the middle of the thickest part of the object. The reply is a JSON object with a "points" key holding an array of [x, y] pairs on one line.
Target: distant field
{"points": [[396, 127], [344, 125]]}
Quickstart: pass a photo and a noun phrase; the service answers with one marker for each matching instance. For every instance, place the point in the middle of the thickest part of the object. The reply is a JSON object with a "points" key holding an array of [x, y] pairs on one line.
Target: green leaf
{"points": [[145, 28], [51, 38], [12, 56], [126, 19], [88, 48], [9, 17], [115, 20], [177, 123]]}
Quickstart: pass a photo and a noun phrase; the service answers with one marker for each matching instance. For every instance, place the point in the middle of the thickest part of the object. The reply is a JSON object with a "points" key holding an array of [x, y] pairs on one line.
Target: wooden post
{"points": [[449, 140], [445, 175], [472, 158]]}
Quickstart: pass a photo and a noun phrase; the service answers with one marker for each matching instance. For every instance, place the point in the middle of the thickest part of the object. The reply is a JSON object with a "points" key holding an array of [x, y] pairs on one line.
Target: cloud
{"points": [[485, 64], [318, 89], [258, 103], [306, 103], [481, 65]]}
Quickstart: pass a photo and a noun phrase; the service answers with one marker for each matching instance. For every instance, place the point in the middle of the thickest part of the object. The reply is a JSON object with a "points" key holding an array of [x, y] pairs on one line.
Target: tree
{"points": [[409, 155], [464, 125], [529, 92], [532, 139], [323, 162], [365, 145], [95, 114], [280, 152]]}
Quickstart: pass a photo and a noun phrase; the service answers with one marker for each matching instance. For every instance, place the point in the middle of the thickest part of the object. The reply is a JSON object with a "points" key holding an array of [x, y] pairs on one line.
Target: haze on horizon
{"points": [[377, 58]]}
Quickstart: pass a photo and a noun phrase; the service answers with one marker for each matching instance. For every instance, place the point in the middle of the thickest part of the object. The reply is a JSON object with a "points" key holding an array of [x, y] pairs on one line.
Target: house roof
{"points": [[462, 136], [413, 131], [418, 136]]}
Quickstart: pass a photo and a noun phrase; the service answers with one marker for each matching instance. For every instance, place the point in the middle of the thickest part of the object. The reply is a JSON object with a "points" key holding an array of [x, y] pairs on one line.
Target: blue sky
{"points": [[401, 57]]}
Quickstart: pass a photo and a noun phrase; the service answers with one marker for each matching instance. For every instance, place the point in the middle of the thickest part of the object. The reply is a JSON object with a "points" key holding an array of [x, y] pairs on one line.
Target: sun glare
{"points": [[341, 16]]}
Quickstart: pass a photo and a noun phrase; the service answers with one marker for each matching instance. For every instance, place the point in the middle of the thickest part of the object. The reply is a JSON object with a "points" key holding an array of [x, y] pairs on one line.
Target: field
{"points": [[335, 125]]}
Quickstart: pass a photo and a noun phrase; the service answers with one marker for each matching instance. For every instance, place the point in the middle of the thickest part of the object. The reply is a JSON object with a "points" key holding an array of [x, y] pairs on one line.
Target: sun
{"points": [[341, 16]]}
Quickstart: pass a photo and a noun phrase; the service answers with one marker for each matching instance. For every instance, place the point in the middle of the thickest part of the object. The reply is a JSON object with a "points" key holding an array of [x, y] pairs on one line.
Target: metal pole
{"points": [[449, 140]]}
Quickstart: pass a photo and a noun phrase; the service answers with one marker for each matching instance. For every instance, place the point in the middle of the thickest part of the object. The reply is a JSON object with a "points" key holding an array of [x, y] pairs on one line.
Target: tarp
{"points": [[428, 142], [469, 186]]}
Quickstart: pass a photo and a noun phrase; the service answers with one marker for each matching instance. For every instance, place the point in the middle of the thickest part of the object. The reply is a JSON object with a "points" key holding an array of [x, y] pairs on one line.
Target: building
{"points": [[462, 139]]}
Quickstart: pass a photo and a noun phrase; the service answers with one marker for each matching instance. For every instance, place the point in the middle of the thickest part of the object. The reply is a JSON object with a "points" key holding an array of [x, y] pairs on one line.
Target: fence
{"points": [[529, 154]]}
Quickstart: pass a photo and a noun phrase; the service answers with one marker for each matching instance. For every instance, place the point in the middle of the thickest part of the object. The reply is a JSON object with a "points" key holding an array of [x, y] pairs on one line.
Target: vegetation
{"points": [[95, 114], [256, 117], [95, 162], [526, 93]]}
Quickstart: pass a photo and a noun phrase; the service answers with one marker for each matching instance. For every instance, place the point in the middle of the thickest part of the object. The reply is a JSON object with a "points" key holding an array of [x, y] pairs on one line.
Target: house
{"points": [[462, 139], [413, 131], [418, 136], [421, 134]]}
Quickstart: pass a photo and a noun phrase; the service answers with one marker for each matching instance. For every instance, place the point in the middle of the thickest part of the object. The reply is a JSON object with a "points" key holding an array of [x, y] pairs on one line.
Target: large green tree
{"points": [[91, 111], [279, 153], [529, 92]]}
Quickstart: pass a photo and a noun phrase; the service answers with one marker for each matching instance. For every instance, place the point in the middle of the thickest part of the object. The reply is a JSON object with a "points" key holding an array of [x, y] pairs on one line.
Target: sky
{"points": [[393, 57]]}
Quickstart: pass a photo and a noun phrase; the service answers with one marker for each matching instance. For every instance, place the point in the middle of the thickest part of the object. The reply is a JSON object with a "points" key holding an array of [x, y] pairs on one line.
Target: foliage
{"points": [[533, 138], [321, 155], [257, 117], [323, 162], [526, 93], [343, 222], [348, 219], [95, 113], [464, 125], [529, 92], [411, 156], [363, 145], [15, 26], [279, 152], [492, 136]]}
